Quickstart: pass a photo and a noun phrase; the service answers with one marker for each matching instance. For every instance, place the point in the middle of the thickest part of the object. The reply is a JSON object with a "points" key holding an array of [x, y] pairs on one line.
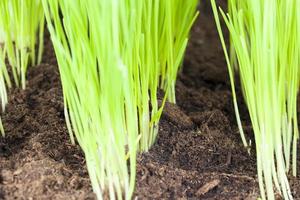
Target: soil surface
{"points": [[198, 153]]}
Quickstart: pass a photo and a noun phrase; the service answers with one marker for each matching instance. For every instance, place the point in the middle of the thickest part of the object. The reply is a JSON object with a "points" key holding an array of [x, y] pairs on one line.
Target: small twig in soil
{"points": [[238, 176], [208, 187]]}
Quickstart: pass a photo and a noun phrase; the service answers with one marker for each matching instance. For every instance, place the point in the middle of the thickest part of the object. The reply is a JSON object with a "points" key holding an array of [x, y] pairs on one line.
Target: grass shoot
{"points": [[264, 36], [177, 18], [92, 45], [21, 28], [112, 56]]}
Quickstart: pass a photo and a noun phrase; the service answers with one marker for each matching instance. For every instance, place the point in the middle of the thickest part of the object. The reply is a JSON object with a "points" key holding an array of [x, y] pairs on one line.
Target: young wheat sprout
{"points": [[264, 36], [110, 61], [91, 44], [21, 26], [178, 17], [165, 26]]}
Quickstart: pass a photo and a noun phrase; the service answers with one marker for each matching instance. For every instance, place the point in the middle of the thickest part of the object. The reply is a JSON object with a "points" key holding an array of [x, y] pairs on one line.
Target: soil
{"points": [[198, 153]]}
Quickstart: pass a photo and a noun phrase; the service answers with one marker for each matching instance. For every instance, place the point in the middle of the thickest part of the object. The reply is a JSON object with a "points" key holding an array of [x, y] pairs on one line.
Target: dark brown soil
{"points": [[198, 154]]}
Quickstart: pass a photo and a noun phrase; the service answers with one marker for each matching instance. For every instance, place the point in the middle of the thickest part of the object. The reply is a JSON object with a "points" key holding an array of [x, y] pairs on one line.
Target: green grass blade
{"points": [[265, 51]]}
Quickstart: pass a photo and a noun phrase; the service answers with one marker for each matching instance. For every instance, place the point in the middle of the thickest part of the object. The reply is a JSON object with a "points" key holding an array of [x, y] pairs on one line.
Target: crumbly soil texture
{"points": [[198, 153]]}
